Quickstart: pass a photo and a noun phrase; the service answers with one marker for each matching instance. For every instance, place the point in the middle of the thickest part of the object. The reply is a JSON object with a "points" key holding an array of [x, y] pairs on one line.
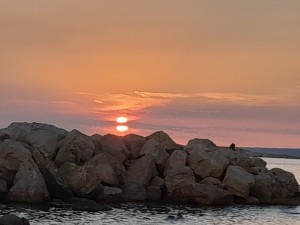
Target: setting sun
{"points": [[122, 128], [122, 119]]}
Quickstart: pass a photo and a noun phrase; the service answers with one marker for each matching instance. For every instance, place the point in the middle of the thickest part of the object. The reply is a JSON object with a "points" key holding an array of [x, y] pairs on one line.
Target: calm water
{"points": [[150, 214]]}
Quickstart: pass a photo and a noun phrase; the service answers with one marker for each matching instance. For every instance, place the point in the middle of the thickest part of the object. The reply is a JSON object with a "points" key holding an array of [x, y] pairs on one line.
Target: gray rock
{"points": [[115, 146], [110, 194], [177, 164], [205, 163], [55, 185], [164, 140], [3, 186], [212, 181], [82, 182], [238, 181], [40, 136], [29, 185], [157, 182], [138, 177], [75, 147], [157, 151], [204, 143], [12, 219], [134, 144], [153, 193]]}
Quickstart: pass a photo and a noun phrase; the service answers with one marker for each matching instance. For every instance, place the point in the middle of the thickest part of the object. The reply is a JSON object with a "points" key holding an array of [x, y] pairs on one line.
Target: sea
{"points": [[152, 214]]}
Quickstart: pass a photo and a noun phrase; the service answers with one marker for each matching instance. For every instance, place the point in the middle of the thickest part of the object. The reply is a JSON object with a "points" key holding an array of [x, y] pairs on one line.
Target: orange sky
{"points": [[224, 70]]}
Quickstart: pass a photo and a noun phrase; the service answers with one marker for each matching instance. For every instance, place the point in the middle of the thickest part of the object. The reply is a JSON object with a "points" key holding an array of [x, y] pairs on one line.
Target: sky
{"points": [[228, 71]]}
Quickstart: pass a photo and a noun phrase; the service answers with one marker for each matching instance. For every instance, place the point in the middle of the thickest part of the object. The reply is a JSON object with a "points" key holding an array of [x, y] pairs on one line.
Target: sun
{"points": [[122, 119], [121, 128]]}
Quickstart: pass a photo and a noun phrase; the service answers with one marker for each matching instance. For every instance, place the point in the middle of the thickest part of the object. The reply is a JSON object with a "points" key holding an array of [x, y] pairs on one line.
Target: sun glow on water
{"points": [[121, 128]]}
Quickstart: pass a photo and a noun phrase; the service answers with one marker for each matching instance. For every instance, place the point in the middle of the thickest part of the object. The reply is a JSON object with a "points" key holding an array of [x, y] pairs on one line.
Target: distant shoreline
{"points": [[265, 152]]}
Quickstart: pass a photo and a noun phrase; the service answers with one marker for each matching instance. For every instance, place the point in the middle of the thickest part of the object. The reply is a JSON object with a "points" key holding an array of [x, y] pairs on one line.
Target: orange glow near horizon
{"points": [[122, 128]]}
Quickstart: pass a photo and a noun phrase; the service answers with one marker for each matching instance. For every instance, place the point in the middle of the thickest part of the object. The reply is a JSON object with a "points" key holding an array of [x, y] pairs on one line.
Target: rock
{"points": [[76, 147], [82, 182], [12, 219], [157, 182], [97, 142], [138, 177], [250, 200], [285, 184], [12, 154], [207, 163], [107, 168], [157, 151], [177, 164], [40, 136], [134, 144], [3, 136], [212, 181], [3, 186], [164, 140], [252, 165], [262, 188], [274, 184], [83, 204], [110, 194], [29, 185], [178, 185], [55, 185], [238, 182], [114, 145], [153, 193], [204, 143]]}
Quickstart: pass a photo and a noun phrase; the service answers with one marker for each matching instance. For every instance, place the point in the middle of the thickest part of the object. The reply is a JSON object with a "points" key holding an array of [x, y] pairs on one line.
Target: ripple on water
{"points": [[150, 214]]}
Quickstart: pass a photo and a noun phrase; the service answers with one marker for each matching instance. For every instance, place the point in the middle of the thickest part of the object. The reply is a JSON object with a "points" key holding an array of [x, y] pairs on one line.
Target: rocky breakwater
{"points": [[40, 163]]}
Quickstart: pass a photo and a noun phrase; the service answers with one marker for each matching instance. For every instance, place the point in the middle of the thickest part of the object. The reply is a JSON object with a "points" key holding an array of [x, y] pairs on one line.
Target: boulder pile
{"points": [[40, 163]]}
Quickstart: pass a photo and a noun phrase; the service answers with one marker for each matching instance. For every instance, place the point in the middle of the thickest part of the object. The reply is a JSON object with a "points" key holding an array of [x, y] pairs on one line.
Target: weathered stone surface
{"points": [[84, 204], [163, 139], [107, 168], [75, 147], [207, 163], [134, 144], [177, 164], [212, 181], [40, 136], [97, 142], [3, 186], [29, 185], [179, 184], [157, 151], [204, 143], [3, 136], [157, 182], [55, 185], [274, 184], [153, 193], [138, 177], [12, 154], [115, 146], [238, 182], [110, 194], [82, 182], [252, 165], [12, 219]]}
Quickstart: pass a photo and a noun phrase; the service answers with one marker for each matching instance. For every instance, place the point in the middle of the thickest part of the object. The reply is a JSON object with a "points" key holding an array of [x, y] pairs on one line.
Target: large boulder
{"points": [[75, 147], [274, 184], [204, 163], [110, 194], [12, 219], [40, 136], [3, 186], [12, 154], [107, 168], [238, 181], [251, 164], [164, 140], [134, 144], [138, 177], [204, 143], [115, 146], [56, 187], [29, 185], [158, 151], [81, 181], [177, 164]]}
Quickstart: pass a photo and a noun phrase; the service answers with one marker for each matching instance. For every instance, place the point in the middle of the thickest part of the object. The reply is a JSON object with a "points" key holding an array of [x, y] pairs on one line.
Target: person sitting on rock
{"points": [[232, 146]]}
